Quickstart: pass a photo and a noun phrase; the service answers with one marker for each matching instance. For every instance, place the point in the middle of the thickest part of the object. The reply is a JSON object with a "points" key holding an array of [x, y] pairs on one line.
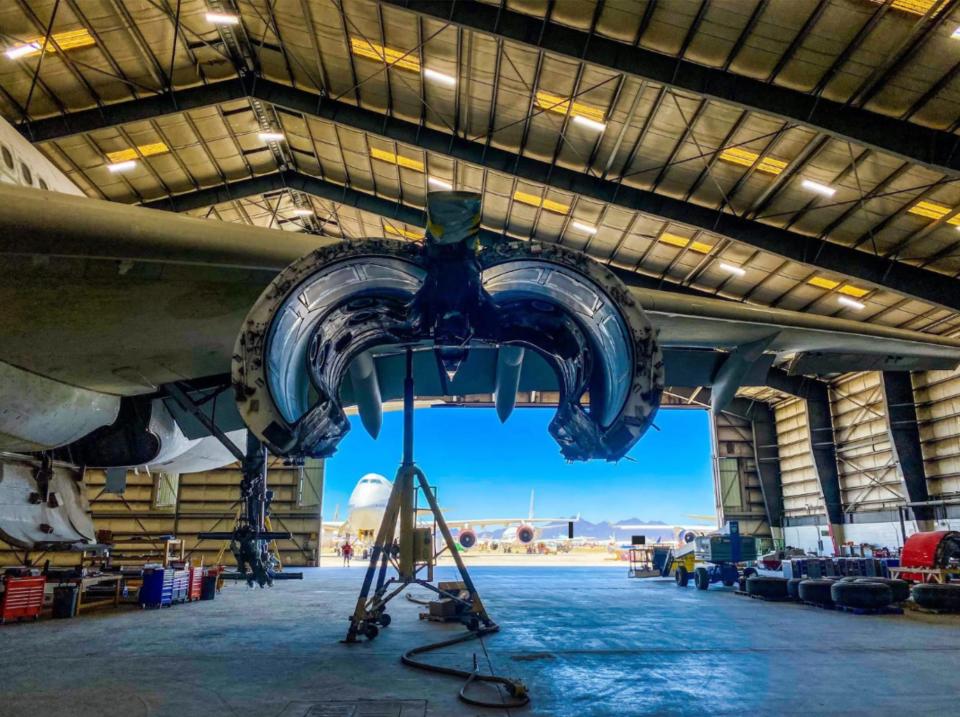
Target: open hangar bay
{"points": [[606, 207]]}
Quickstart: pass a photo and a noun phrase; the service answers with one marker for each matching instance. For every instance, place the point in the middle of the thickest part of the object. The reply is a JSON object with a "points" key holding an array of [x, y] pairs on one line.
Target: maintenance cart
{"points": [[720, 558], [642, 562]]}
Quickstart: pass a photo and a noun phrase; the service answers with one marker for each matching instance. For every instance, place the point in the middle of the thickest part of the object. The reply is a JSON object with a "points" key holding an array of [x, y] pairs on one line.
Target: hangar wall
{"points": [[873, 478], [937, 395], [738, 492], [155, 505]]}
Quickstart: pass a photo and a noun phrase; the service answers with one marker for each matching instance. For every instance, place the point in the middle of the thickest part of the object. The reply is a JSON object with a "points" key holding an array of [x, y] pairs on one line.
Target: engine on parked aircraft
{"points": [[467, 538], [525, 534]]}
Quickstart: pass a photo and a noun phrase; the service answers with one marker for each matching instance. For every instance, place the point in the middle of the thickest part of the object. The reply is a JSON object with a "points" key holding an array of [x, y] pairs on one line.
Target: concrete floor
{"points": [[587, 641]]}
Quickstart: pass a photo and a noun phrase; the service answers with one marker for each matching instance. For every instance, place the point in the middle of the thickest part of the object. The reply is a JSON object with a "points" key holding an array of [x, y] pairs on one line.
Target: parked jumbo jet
{"points": [[368, 501], [112, 314]]}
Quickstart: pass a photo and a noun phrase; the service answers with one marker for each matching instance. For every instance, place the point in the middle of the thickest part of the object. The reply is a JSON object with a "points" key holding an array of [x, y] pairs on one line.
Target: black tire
{"points": [[815, 591], [701, 578], [682, 577], [749, 572], [384, 620], [370, 630], [769, 588], [899, 588], [937, 597], [793, 585], [861, 594], [849, 578], [472, 623]]}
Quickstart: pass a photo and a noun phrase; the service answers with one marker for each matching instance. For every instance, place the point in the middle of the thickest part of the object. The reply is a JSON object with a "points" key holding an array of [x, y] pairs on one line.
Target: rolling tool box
{"points": [[181, 581], [194, 584], [157, 588], [22, 597]]}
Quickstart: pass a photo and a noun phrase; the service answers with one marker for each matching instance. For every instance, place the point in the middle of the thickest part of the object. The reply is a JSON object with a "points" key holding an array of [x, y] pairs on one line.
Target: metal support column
{"points": [[905, 441], [822, 446], [766, 454]]}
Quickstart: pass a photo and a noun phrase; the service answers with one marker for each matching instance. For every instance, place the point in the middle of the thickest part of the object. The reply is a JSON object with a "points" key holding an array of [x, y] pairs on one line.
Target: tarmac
{"points": [[585, 640]]}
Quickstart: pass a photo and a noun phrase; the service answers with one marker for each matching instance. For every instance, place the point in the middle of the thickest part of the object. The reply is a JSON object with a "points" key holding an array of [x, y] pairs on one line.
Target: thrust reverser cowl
{"points": [[455, 305]]}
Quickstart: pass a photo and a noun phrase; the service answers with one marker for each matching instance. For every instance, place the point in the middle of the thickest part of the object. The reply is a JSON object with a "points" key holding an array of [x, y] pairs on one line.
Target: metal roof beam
{"points": [[930, 147], [929, 286], [385, 208]]}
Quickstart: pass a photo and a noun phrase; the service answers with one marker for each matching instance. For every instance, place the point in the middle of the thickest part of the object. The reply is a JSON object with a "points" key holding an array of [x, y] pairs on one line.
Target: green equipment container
{"points": [[720, 548]]}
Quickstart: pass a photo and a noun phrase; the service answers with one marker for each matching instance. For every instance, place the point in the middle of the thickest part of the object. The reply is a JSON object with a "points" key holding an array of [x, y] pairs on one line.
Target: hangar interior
{"points": [[789, 165]]}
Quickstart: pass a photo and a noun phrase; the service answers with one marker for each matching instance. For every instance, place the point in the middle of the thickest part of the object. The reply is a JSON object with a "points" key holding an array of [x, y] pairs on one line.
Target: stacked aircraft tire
{"points": [[900, 589], [793, 588], [816, 592], [943, 598], [861, 594], [767, 588]]}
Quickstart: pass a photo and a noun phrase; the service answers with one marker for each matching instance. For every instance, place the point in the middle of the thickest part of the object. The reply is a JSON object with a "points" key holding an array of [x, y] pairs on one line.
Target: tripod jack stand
{"points": [[416, 546]]}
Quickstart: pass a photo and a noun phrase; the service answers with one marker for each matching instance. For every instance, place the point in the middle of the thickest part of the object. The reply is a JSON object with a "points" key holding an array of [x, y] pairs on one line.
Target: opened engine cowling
{"points": [[344, 305]]}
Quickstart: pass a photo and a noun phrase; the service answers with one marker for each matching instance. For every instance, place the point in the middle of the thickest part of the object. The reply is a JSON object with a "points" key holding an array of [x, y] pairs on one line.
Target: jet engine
{"points": [[467, 538], [332, 329], [688, 536], [525, 534]]}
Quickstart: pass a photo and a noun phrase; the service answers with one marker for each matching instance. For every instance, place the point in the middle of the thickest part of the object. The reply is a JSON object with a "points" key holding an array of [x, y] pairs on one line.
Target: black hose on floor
{"points": [[515, 688]]}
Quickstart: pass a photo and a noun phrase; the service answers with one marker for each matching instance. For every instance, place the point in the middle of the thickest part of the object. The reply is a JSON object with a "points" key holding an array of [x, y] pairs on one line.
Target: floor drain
{"points": [[357, 708]]}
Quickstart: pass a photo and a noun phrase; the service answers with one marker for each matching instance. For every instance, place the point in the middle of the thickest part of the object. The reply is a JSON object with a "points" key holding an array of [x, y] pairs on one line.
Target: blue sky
{"points": [[486, 470]]}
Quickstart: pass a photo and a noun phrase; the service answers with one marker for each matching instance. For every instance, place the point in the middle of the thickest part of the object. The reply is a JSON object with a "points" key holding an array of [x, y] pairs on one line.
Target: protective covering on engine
{"points": [[366, 299]]}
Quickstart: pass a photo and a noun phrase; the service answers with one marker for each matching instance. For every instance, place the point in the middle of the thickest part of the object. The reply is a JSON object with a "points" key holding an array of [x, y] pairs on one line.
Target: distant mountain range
{"points": [[601, 531]]}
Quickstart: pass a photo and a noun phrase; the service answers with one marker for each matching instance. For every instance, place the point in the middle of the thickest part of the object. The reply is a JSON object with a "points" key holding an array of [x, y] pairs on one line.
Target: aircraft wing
{"points": [[661, 526], [103, 300], [484, 522]]}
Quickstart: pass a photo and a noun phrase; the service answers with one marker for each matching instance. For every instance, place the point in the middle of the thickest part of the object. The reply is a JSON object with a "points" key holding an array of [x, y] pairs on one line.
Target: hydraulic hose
{"points": [[515, 688]]}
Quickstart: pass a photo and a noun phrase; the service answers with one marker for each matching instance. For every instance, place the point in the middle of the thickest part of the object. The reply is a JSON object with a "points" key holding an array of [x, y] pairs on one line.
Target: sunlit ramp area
{"points": [[446, 357]]}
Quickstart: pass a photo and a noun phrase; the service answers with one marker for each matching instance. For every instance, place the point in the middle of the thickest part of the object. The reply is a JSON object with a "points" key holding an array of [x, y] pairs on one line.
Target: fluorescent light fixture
{"points": [[731, 269], [122, 166], [956, 34], [220, 18], [852, 303], [584, 227], [15, 53], [272, 136], [302, 212], [818, 188], [589, 123], [439, 184], [442, 78]]}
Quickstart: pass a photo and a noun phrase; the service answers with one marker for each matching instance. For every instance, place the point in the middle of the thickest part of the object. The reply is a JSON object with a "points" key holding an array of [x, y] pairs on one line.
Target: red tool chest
{"points": [[22, 597], [196, 581]]}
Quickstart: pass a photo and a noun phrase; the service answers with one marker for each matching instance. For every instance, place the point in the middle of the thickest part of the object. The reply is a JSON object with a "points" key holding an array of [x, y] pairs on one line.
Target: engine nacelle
{"points": [[525, 534], [688, 536], [467, 538]]}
